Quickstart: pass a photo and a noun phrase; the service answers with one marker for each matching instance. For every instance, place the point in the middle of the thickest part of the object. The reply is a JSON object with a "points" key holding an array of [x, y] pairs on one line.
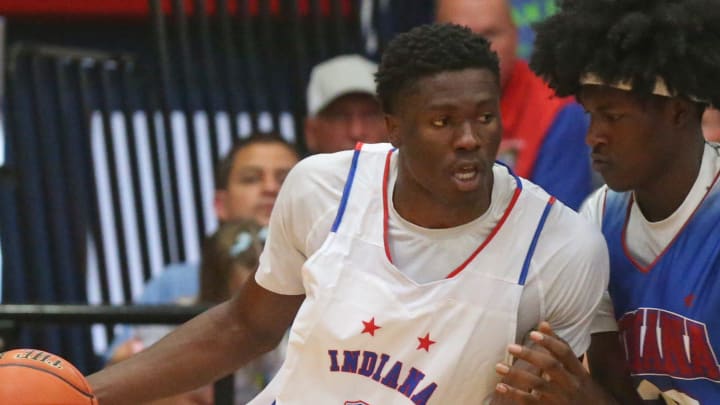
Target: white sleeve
{"points": [[575, 279], [604, 320], [593, 206], [301, 220]]}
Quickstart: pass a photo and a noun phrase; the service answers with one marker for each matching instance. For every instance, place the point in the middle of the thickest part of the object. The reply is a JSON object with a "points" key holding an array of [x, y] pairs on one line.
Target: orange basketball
{"points": [[35, 377]]}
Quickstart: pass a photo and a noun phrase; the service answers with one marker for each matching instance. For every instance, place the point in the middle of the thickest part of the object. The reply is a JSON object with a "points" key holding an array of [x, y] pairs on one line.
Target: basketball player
{"points": [[645, 71], [407, 268], [542, 134]]}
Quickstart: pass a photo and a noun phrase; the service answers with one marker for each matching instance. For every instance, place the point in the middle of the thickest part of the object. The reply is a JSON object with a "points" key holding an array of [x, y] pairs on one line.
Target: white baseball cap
{"points": [[338, 76]]}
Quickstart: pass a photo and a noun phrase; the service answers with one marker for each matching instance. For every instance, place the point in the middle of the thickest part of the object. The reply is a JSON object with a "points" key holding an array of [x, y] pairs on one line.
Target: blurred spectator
{"points": [[544, 136], [525, 13], [247, 181], [230, 256], [342, 108], [711, 125]]}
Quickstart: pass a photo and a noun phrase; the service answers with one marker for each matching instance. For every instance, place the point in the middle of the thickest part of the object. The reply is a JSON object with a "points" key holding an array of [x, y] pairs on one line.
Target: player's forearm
{"points": [[609, 368], [199, 352]]}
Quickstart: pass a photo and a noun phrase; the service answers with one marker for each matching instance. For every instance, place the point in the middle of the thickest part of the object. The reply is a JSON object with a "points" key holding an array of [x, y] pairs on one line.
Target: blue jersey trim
{"points": [[518, 183], [346, 191], [533, 244]]}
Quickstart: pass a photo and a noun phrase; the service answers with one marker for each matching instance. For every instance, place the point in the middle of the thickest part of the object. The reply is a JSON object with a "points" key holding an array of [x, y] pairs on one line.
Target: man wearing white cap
{"points": [[342, 108]]}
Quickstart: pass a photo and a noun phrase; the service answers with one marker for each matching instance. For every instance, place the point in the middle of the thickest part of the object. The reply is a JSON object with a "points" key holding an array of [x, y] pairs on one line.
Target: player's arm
{"points": [[609, 367], [572, 275], [556, 375], [201, 351]]}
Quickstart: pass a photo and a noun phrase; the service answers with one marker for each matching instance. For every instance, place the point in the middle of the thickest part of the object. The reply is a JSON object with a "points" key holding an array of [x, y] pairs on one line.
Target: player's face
{"points": [[630, 138], [448, 129], [257, 172]]}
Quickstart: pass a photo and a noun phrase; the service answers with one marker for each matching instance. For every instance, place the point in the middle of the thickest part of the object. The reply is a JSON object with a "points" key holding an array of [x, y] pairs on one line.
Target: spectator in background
{"points": [[342, 108], [230, 256], [247, 182], [544, 136], [711, 125]]}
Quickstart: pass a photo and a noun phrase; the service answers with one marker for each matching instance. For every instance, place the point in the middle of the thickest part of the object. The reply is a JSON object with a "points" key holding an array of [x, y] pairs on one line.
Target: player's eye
{"points": [[440, 122], [613, 117], [249, 177], [486, 118]]}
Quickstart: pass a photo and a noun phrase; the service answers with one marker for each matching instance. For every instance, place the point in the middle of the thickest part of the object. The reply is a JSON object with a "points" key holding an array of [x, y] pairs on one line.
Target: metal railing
{"points": [[13, 316]]}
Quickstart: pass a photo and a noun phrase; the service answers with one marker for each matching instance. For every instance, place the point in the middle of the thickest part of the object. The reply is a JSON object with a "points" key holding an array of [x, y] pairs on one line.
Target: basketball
{"points": [[35, 377]]}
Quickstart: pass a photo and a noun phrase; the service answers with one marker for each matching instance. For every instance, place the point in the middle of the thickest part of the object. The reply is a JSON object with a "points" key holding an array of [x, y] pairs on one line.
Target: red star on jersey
{"points": [[425, 342], [370, 327]]}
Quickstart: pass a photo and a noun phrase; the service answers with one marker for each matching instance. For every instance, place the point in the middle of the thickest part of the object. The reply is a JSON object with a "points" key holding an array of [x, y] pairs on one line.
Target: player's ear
{"points": [[681, 112], [393, 129]]}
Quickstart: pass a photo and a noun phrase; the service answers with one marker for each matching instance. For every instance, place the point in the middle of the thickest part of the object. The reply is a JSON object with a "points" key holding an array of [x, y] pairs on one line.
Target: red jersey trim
{"points": [[459, 269], [623, 237]]}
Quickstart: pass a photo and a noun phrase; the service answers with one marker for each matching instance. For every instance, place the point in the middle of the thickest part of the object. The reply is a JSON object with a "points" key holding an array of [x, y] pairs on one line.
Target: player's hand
{"points": [[562, 379], [522, 377]]}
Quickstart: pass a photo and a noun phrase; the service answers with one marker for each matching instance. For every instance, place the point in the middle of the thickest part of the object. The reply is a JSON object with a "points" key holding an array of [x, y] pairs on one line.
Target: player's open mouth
{"points": [[466, 176]]}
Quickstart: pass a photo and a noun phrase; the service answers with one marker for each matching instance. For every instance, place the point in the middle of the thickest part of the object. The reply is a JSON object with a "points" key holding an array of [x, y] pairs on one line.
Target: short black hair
{"points": [[222, 171], [634, 40], [427, 50]]}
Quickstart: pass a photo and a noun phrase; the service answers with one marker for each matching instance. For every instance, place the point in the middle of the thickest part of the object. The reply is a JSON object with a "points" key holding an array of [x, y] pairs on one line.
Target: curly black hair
{"points": [[635, 40], [427, 50]]}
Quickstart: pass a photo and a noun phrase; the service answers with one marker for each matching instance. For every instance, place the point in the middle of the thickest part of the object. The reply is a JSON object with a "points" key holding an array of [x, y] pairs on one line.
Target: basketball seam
{"points": [[87, 394]]}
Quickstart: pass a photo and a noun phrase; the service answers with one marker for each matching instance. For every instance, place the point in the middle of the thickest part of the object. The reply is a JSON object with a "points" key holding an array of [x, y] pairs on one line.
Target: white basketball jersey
{"points": [[367, 334]]}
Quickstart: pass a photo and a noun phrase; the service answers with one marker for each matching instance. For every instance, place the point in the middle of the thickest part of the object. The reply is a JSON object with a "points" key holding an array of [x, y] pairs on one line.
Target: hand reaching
{"points": [[559, 377]]}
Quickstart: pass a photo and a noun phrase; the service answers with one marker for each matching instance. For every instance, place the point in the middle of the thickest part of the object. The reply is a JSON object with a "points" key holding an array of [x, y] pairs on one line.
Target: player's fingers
{"points": [[545, 328], [518, 378], [517, 396], [552, 368], [546, 338]]}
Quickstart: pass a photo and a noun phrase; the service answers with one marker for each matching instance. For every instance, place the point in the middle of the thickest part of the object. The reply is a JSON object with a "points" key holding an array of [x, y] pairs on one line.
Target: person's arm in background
{"points": [[563, 162]]}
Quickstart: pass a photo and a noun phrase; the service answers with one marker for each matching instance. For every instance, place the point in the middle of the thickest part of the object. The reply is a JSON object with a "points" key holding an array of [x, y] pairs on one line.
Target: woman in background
{"points": [[229, 258]]}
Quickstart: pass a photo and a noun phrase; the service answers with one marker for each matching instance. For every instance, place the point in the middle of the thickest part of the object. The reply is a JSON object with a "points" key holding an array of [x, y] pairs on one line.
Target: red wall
{"points": [[131, 8]]}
